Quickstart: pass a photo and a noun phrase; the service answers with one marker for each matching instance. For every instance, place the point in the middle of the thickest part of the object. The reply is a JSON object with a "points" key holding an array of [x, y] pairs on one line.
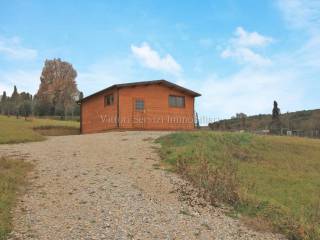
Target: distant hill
{"points": [[302, 121]]}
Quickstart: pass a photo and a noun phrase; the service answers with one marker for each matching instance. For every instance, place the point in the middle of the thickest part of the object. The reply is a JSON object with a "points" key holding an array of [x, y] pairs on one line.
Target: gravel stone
{"points": [[110, 186]]}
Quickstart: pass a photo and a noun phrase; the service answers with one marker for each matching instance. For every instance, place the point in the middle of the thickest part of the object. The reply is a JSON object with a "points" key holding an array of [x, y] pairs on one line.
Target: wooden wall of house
{"points": [[96, 117], [156, 115]]}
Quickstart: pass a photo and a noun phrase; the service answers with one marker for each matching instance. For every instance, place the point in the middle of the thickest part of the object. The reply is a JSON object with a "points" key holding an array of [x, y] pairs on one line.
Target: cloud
{"points": [[4, 87], [246, 55], [304, 16], [249, 90], [114, 70], [241, 46], [12, 49], [260, 80], [301, 14], [289, 76], [250, 39], [104, 73], [25, 80], [151, 59]]}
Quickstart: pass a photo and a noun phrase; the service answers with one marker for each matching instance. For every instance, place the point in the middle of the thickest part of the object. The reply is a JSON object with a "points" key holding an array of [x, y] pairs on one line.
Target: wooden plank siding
{"points": [[156, 115], [96, 117]]}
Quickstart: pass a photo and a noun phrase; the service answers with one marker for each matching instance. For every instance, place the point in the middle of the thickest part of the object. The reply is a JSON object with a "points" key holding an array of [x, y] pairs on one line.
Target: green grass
{"points": [[14, 130], [276, 179], [12, 178]]}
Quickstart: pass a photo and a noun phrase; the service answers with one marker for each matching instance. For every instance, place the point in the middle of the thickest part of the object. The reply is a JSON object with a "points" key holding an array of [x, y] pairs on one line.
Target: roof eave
{"points": [[162, 81]]}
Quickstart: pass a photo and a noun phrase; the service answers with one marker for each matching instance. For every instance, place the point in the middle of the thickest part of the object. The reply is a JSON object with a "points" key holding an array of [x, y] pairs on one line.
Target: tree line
{"points": [[17, 104], [57, 94], [300, 123]]}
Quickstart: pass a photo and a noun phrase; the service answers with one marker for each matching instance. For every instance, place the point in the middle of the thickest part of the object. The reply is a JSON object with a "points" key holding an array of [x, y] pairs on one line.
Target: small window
{"points": [[176, 101], [108, 100], [139, 104]]}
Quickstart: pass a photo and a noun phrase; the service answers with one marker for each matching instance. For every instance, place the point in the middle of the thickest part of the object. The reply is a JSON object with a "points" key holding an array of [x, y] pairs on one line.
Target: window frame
{"points": [[175, 102], [106, 100], [135, 105]]}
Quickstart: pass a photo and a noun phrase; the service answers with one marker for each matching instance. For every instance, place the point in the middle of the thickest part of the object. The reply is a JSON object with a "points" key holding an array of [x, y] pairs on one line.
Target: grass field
{"points": [[13, 172], [14, 130], [273, 180], [12, 178]]}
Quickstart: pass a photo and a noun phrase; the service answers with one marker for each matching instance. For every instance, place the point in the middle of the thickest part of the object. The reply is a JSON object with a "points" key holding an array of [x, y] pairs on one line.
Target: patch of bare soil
{"points": [[57, 130]]}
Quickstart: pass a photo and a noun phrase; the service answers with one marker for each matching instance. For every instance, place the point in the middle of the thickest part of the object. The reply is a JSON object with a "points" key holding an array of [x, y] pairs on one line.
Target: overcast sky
{"points": [[240, 55]]}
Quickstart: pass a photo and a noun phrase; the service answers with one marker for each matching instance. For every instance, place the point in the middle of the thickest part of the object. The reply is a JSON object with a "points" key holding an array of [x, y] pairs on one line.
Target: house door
{"points": [[138, 113]]}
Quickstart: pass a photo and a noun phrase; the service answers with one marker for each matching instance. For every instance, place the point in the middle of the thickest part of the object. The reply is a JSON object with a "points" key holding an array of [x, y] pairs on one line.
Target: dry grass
{"points": [[57, 130], [275, 180], [12, 178], [14, 130]]}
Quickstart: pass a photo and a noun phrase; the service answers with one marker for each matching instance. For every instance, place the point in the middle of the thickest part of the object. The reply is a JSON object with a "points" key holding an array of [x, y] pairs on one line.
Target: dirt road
{"points": [[109, 186]]}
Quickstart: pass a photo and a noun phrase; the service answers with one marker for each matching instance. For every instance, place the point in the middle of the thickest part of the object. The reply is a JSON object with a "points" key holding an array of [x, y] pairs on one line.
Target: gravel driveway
{"points": [[109, 186]]}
